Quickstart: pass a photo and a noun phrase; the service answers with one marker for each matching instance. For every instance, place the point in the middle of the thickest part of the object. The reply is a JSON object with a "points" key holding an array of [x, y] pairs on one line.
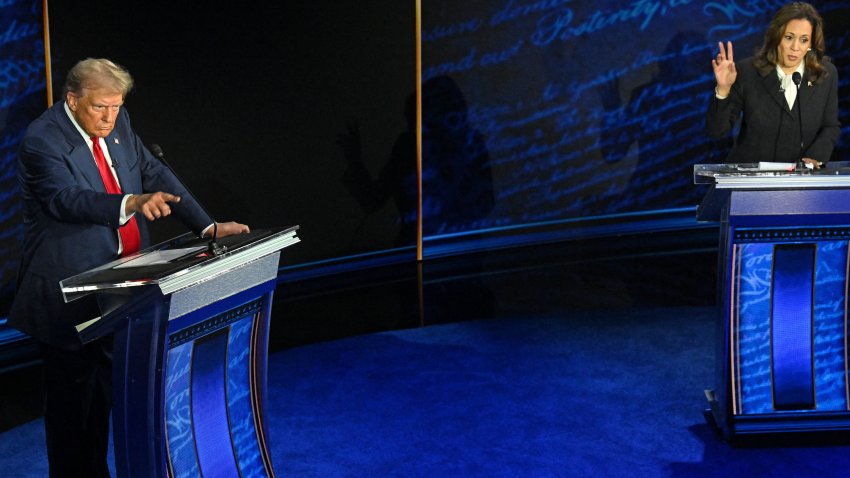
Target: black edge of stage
{"points": [[608, 271], [779, 438]]}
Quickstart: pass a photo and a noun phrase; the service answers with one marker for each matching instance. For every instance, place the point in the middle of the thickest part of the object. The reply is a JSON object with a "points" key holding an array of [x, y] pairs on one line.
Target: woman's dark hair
{"points": [[767, 57]]}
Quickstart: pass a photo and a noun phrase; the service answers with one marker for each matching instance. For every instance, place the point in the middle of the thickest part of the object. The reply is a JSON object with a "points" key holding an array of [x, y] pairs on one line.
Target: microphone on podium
{"points": [[797, 78], [213, 247]]}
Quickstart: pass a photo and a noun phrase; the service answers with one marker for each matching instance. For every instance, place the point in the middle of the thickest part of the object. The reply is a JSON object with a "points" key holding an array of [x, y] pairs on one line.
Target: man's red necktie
{"points": [[129, 232]]}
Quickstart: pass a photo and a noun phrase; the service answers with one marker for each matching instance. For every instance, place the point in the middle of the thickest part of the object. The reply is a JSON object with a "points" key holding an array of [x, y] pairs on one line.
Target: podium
{"points": [[782, 328], [190, 334]]}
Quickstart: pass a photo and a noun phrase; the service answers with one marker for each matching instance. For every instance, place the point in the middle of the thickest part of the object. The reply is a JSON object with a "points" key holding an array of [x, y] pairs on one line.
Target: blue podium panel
{"points": [[782, 350], [791, 327], [190, 333], [751, 386], [789, 322], [183, 460], [244, 401], [214, 393]]}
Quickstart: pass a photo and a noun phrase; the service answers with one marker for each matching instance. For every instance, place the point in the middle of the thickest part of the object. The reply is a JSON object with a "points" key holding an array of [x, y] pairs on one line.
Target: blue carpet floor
{"points": [[592, 393]]}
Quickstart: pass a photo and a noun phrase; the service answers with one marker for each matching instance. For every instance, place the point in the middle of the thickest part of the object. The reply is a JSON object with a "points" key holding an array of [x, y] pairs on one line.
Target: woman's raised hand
{"points": [[724, 69]]}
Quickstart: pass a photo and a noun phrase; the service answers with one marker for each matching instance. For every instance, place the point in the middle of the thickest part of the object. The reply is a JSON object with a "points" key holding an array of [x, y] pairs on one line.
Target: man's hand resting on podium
{"points": [[227, 229]]}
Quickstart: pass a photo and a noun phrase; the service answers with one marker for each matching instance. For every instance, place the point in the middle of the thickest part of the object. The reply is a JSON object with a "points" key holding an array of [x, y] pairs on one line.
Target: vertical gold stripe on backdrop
{"points": [[47, 60], [419, 272], [419, 130]]}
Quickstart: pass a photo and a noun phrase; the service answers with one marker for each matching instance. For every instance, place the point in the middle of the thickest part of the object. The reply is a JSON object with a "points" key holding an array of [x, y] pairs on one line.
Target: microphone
{"points": [[797, 78], [213, 247]]}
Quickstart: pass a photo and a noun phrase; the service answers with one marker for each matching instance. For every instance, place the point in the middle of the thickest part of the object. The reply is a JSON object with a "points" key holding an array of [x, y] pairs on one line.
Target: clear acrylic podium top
{"points": [[772, 176], [178, 263]]}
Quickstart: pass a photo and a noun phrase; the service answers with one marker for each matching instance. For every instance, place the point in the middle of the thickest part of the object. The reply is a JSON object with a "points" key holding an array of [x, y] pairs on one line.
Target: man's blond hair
{"points": [[95, 73]]}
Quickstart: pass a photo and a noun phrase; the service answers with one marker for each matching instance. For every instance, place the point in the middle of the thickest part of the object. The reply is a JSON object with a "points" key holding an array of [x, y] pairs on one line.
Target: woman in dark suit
{"points": [[762, 93]]}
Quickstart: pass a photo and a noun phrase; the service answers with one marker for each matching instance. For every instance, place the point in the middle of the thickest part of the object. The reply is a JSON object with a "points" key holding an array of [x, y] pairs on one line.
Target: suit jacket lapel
{"points": [[806, 94], [78, 151], [118, 152], [771, 83], [84, 160]]}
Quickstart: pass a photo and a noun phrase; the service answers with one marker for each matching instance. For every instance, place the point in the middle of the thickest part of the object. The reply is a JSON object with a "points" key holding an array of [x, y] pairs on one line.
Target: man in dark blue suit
{"points": [[88, 185]]}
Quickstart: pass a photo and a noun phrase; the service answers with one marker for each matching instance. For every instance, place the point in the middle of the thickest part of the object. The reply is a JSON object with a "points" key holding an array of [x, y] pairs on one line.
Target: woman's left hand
{"points": [[815, 163]]}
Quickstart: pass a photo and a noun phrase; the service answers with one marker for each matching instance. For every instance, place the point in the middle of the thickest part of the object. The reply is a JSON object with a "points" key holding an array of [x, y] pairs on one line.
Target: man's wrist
{"points": [[125, 214], [206, 230]]}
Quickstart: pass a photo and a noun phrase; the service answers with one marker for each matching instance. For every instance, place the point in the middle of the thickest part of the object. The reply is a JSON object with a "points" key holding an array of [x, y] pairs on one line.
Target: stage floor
{"points": [[508, 367]]}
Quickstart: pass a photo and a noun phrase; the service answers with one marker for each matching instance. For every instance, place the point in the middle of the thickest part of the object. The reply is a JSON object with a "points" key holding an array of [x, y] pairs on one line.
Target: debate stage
{"points": [[535, 362]]}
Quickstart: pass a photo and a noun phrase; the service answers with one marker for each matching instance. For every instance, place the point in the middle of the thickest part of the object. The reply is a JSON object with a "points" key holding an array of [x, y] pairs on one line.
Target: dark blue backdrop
{"points": [[535, 111], [22, 98], [576, 109]]}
